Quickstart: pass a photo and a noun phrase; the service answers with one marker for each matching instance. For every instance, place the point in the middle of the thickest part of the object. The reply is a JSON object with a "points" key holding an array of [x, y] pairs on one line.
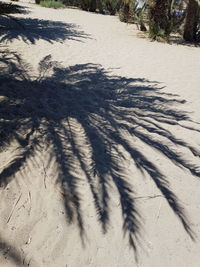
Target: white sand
{"points": [[33, 225]]}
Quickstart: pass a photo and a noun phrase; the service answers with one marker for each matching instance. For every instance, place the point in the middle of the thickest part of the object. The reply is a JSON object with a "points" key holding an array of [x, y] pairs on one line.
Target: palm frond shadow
{"points": [[31, 30], [10, 8], [81, 114]]}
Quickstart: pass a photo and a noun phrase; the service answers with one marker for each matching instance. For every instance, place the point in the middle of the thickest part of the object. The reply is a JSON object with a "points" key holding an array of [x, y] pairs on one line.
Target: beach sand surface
{"points": [[59, 57]]}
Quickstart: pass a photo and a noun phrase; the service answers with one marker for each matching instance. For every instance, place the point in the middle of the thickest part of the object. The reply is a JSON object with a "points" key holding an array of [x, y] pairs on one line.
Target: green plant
{"points": [[157, 33], [112, 6], [140, 16], [125, 11], [52, 4], [160, 19]]}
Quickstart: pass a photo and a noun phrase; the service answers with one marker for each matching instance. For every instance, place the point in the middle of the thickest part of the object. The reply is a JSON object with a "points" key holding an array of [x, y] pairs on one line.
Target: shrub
{"points": [[112, 6], [52, 4], [74, 3], [157, 33]]}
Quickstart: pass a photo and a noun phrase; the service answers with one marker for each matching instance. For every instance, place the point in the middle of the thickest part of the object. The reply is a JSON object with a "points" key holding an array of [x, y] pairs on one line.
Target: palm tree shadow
{"points": [[10, 8], [31, 30], [81, 114]]}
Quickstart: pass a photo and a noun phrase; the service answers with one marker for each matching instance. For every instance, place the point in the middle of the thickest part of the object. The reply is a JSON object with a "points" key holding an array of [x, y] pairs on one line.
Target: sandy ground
{"points": [[94, 126]]}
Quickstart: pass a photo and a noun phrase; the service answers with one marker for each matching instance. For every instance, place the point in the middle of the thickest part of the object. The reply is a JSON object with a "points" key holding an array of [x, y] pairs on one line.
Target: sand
{"points": [[100, 144]]}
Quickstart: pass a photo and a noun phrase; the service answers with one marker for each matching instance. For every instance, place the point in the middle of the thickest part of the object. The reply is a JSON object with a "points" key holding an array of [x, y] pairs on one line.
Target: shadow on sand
{"points": [[31, 30], [86, 120], [10, 253]]}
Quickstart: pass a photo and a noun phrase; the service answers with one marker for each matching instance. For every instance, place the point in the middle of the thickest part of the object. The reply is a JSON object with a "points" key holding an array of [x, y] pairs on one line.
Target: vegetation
{"points": [[160, 24], [160, 17], [52, 4], [191, 31], [164, 19], [125, 11]]}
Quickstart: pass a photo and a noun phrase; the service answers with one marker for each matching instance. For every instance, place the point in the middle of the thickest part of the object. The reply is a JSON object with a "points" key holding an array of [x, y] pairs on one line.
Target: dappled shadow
{"points": [[87, 121], [31, 30]]}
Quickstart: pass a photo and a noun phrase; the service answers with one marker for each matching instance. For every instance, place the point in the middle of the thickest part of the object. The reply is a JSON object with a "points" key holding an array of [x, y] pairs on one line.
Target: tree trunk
{"points": [[159, 13], [191, 22], [160, 25]]}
